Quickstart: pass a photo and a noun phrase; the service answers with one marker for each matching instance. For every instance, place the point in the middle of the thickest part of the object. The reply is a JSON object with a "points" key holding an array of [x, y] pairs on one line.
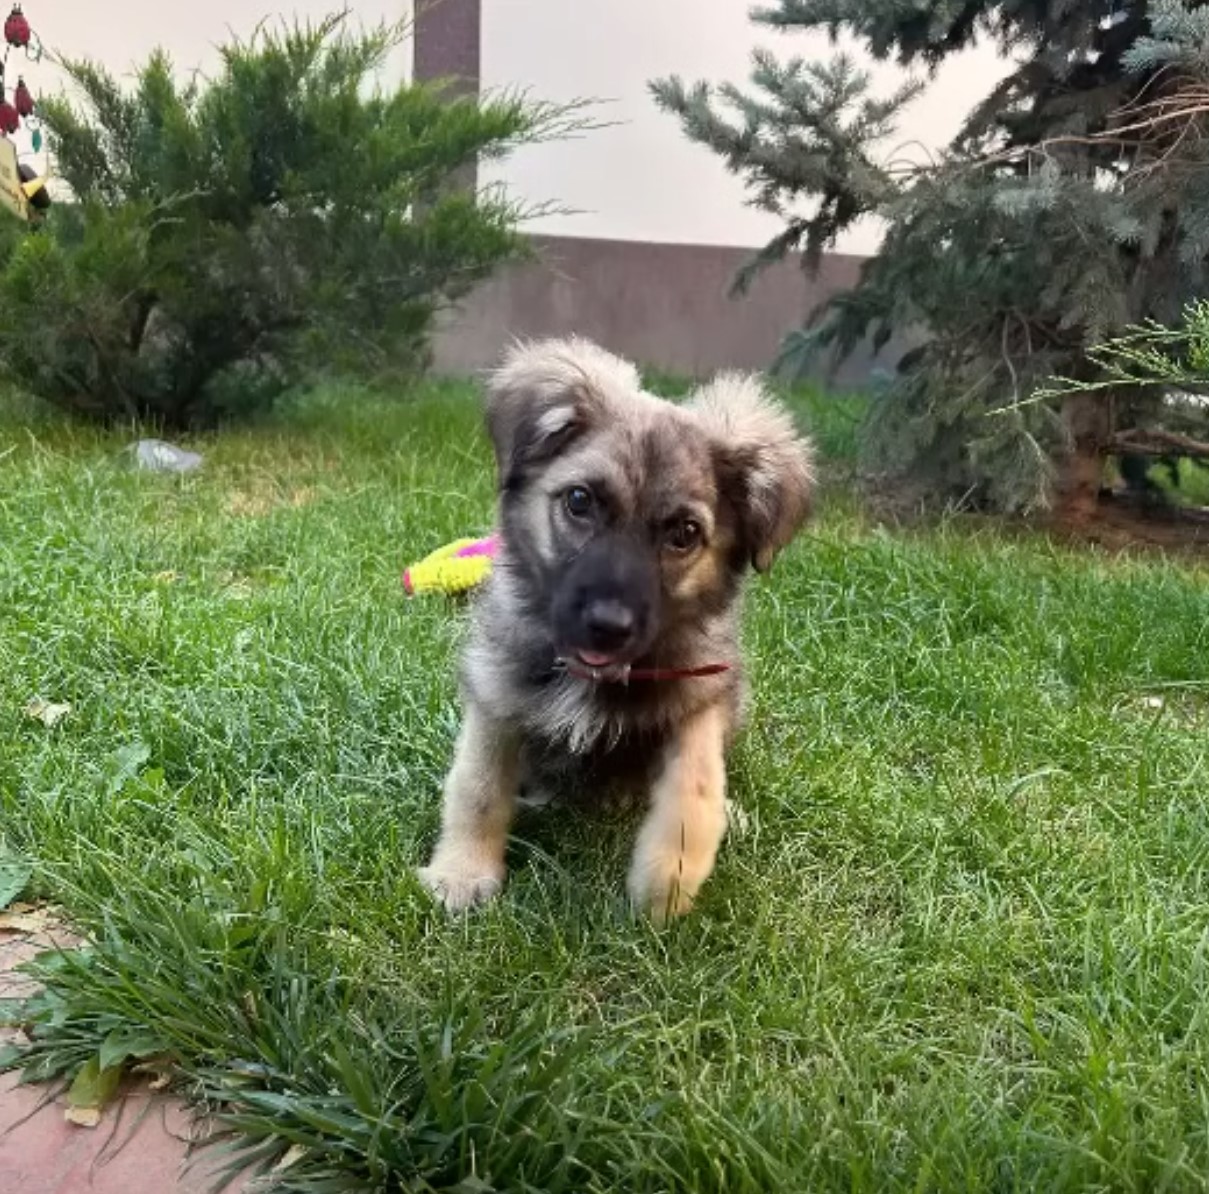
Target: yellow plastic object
{"points": [[455, 568]]}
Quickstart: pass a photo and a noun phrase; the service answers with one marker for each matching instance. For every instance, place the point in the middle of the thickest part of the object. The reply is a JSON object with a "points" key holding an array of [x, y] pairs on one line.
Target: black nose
{"points": [[609, 624]]}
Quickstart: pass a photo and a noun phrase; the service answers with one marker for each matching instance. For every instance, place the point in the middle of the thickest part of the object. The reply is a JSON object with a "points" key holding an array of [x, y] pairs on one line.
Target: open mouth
{"points": [[596, 659], [597, 665]]}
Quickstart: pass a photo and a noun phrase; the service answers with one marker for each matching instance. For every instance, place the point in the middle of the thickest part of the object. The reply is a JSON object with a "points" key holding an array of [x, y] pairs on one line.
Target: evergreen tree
{"points": [[1072, 204], [224, 236]]}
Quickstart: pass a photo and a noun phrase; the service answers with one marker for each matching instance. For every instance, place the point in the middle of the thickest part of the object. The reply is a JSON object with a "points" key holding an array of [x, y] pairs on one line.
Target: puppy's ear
{"points": [[544, 395], [765, 467]]}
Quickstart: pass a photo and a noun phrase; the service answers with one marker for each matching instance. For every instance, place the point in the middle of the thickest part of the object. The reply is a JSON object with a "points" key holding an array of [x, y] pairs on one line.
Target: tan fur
{"points": [[561, 413], [703, 573], [680, 837], [480, 792], [737, 409]]}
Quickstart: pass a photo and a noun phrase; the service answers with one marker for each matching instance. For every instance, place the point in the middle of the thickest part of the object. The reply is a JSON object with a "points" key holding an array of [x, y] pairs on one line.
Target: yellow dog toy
{"points": [[455, 568]]}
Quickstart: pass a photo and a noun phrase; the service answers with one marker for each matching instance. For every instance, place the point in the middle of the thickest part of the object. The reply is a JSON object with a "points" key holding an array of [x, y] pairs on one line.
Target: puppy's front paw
{"points": [[660, 892], [459, 886]]}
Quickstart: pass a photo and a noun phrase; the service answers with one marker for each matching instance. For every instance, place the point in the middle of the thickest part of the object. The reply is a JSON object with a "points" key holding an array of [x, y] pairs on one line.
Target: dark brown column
{"points": [[447, 37]]}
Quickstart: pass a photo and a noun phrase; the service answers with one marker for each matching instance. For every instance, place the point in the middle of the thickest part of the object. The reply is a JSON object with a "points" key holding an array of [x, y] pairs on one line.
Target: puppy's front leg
{"points": [[680, 837], [467, 865]]}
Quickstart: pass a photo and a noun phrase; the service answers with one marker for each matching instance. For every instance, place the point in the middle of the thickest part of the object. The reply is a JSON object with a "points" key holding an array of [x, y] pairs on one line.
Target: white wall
{"points": [[643, 179], [121, 33], [638, 180]]}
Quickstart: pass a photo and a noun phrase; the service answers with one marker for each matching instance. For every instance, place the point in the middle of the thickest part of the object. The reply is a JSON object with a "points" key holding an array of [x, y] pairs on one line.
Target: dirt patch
{"points": [[261, 498], [1121, 526], [1117, 524]]}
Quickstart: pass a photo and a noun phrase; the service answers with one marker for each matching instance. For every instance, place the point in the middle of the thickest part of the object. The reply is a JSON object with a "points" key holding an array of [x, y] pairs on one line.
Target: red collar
{"points": [[645, 673]]}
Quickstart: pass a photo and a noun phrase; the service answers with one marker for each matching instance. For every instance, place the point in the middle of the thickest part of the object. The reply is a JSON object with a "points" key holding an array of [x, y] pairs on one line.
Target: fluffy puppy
{"points": [[604, 649]]}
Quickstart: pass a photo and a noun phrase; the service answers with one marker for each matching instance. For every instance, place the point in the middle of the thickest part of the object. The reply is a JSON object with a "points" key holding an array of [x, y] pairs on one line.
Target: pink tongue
{"points": [[595, 658]]}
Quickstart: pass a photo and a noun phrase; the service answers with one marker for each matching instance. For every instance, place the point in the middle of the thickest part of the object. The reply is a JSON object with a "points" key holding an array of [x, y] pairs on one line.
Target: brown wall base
{"points": [[662, 305]]}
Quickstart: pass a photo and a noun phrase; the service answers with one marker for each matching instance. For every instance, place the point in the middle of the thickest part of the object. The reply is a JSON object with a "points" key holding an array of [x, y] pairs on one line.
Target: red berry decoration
{"points": [[9, 118], [23, 101], [16, 28]]}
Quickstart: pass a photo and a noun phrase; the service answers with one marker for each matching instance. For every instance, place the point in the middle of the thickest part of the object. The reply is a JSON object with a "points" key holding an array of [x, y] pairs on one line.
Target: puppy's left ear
{"points": [[765, 466], [545, 394]]}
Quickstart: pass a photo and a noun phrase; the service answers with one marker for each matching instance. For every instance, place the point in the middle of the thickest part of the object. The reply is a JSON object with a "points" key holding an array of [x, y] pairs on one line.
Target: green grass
{"points": [[963, 943], [834, 418], [1193, 488]]}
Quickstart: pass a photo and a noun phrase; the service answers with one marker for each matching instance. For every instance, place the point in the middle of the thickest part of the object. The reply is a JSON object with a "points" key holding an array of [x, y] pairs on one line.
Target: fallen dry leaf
{"points": [[291, 1156], [160, 1070], [92, 1089], [23, 922], [48, 713], [83, 1117], [27, 918]]}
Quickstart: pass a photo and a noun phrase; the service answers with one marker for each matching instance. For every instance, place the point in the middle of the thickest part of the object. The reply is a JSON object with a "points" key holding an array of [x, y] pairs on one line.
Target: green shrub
{"points": [[1072, 203], [225, 233]]}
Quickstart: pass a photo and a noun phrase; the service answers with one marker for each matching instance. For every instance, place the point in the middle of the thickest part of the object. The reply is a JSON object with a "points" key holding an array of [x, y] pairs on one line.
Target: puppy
{"points": [[604, 649]]}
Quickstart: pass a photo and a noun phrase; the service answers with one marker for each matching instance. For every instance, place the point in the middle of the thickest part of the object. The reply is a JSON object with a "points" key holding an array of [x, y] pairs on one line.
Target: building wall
{"points": [[640, 178], [663, 305], [661, 297]]}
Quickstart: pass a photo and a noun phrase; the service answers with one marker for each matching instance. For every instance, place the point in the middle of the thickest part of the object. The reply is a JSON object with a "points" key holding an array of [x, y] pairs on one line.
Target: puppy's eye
{"points": [[683, 536], [578, 501]]}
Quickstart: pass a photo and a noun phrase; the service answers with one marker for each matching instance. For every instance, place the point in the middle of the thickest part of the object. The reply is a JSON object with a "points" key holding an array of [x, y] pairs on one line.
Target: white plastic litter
{"points": [[159, 456]]}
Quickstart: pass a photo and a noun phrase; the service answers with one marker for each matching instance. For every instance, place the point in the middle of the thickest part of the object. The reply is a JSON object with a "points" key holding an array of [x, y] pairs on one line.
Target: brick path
{"points": [[141, 1145]]}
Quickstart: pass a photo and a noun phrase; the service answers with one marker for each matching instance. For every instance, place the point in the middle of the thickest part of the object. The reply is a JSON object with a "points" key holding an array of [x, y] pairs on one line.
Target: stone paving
{"points": [[141, 1146]]}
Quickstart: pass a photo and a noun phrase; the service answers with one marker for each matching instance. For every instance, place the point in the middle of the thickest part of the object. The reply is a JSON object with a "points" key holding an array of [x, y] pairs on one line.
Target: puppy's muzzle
{"points": [[606, 607], [609, 625]]}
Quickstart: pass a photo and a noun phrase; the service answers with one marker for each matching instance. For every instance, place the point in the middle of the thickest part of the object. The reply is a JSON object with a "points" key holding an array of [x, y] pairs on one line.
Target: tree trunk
{"points": [[1086, 417]]}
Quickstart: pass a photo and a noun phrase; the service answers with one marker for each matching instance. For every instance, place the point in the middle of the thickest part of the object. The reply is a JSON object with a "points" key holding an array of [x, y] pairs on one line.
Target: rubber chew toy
{"points": [[455, 568]]}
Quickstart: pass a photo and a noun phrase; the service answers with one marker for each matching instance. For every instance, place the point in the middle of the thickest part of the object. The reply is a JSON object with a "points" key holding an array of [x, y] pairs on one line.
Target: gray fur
{"points": [[566, 413]]}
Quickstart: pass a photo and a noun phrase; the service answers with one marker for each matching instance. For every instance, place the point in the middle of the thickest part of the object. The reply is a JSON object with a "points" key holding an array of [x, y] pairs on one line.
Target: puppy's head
{"points": [[628, 518]]}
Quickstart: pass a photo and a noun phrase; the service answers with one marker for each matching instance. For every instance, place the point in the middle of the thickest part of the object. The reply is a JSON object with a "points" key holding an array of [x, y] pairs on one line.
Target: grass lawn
{"points": [[963, 943]]}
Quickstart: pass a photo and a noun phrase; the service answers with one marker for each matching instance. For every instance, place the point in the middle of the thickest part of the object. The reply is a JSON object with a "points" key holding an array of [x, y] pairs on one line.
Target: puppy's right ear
{"points": [[544, 396], [764, 465]]}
